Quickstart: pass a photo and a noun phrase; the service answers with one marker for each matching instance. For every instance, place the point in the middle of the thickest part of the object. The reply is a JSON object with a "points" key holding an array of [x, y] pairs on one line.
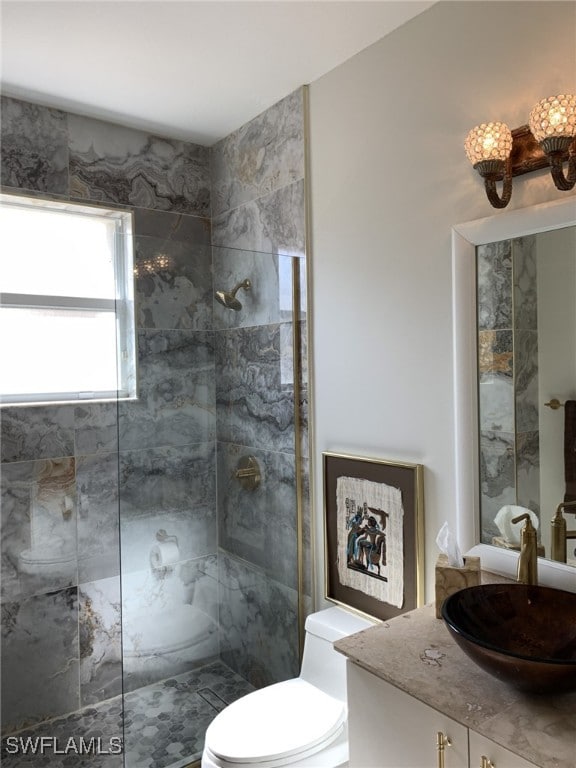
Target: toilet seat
{"points": [[276, 726]]}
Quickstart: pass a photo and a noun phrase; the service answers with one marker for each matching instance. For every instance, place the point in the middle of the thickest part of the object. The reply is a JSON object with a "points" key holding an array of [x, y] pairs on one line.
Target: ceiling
{"points": [[181, 68]]}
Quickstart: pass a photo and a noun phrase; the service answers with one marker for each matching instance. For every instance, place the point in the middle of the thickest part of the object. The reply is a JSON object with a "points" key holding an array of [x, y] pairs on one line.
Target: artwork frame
{"points": [[373, 534]]}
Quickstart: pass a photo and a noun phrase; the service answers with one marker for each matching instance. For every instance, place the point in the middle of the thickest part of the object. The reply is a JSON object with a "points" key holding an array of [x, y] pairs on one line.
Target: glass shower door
{"points": [[210, 587]]}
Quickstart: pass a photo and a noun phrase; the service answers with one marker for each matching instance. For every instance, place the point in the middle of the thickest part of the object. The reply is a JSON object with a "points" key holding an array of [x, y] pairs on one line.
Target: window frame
{"points": [[122, 305]]}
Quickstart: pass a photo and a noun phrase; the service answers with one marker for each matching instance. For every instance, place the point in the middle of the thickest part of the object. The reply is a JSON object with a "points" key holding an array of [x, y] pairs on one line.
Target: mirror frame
{"points": [[465, 237]]}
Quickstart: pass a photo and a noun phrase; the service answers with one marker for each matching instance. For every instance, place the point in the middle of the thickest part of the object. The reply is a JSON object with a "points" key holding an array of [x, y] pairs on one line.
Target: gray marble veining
{"points": [[265, 154], [273, 223], [304, 430], [37, 433], [260, 526], [254, 392], [494, 283], [526, 380], [173, 276], [40, 663], [525, 270], [176, 391], [16, 490], [110, 163], [259, 620], [157, 480], [497, 478], [95, 428], [34, 147], [308, 559], [100, 627], [171, 226], [98, 528]]}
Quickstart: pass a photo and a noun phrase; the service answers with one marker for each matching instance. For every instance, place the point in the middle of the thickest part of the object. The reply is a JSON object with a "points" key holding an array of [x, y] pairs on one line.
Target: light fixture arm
{"points": [[495, 199], [493, 171], [563, 182]]}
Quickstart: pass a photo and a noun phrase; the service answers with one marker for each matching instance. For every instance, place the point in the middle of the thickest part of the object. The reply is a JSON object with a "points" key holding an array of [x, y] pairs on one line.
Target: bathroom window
{"points": [[66, 302]]}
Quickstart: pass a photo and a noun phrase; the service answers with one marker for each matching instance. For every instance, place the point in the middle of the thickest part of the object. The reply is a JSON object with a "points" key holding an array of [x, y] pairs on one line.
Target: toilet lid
{"points": [[275, 722]]}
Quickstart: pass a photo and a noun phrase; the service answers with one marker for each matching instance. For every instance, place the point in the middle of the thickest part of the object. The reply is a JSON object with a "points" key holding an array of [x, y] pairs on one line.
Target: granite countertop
{"points": [[416, 653]]}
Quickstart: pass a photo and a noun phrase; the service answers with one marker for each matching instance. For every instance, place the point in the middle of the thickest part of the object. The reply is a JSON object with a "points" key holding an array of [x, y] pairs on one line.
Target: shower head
{"points": [[228, 298]]}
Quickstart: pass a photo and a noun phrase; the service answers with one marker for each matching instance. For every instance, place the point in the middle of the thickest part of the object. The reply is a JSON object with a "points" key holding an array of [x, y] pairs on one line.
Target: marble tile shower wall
{"points": [[508, 378], [67, 469], [258, 230], [526, 372]]}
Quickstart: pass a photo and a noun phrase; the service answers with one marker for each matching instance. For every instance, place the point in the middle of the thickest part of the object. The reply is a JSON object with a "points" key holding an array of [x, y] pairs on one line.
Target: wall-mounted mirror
{"points": [[526, 345], [488, 479]]}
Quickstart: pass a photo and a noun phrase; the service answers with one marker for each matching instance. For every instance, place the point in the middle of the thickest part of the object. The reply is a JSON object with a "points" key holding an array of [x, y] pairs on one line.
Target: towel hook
{"points": [[554, 404]]}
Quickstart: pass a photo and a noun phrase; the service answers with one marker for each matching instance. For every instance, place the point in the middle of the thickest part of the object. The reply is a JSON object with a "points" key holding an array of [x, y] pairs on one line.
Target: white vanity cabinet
{"points": [[500, 757], [408, 681], [388, 728]]}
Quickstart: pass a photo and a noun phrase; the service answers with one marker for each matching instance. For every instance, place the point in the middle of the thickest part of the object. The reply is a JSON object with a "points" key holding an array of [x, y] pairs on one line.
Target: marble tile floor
{"points": [[164, 725]]}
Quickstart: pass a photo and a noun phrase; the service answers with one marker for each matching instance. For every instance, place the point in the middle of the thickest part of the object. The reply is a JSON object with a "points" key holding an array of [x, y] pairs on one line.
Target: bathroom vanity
{"points": [[417, 701]]}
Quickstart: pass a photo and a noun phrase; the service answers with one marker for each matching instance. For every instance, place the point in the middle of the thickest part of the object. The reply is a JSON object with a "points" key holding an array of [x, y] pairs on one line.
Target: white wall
{"points": [[389, 177]]}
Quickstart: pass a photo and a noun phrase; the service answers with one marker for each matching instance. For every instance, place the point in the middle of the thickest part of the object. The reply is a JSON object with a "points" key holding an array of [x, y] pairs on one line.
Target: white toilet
{"points": [[301, 722]]}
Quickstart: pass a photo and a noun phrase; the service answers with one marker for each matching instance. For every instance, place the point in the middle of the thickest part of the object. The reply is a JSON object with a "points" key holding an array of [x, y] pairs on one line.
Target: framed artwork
{"points": [[374, 534]]}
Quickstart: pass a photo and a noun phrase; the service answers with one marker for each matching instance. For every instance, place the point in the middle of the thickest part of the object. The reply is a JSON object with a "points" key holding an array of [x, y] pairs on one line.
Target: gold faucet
{"points": [[560, 535], [528, 558]]}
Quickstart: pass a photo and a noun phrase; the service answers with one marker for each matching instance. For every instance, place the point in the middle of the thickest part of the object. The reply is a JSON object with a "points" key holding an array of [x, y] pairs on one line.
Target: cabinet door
{"points": [[390, 729], [501, 758]]}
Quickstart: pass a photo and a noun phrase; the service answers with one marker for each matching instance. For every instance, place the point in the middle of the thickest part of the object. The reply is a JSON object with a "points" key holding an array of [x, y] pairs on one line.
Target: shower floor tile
{"points": [[164, 725]]}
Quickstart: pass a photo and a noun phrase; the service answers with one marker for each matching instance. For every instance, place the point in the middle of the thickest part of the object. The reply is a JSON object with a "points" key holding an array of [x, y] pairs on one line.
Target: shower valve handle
{"points": [[248, 473]]}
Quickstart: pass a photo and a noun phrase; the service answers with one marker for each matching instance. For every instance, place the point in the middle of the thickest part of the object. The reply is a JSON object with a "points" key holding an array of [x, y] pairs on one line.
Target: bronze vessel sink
{"points": [[524, 635]]}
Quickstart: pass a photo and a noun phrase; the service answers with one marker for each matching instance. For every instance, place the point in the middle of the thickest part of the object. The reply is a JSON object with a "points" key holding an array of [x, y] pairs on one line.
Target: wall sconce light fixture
{"points": [[499, 154]]}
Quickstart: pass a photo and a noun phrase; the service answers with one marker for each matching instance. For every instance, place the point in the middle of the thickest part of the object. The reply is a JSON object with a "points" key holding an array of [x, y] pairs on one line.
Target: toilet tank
{"points": [[322, 666]]}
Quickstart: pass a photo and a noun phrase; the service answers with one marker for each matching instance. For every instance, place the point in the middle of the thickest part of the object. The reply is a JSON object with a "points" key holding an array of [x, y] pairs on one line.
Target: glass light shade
{"points": [[554, 116], [489, 141]]}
